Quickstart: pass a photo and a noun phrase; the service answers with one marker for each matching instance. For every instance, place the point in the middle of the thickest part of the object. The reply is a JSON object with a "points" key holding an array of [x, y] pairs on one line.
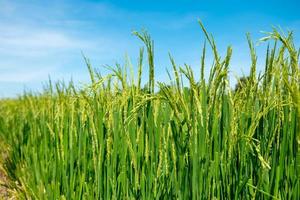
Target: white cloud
{"points": [[20, 40], [29, 53], [23, 75], [43, 39]]}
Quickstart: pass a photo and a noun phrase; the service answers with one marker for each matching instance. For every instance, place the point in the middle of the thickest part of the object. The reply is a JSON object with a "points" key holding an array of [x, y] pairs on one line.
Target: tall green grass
{"points": [[115, 140]]}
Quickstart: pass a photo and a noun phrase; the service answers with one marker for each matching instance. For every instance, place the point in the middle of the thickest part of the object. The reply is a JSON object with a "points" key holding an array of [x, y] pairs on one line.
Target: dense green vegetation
{"points": [[114, 139]]}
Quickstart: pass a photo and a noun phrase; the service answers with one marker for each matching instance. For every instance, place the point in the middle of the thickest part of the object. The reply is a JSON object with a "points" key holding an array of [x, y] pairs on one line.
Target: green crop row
{"points": [[114, 139]]}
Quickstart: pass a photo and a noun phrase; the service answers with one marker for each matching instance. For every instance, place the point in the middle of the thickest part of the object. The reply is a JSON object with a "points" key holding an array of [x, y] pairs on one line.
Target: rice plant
{"points": [[113, 139]]}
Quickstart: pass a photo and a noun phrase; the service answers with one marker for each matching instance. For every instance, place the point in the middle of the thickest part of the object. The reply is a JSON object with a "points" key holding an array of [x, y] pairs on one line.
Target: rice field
{"points": [[117, 139]]}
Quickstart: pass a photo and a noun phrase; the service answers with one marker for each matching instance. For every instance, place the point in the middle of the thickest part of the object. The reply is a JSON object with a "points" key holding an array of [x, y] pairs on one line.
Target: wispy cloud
{"points": [[29, 53], [31, 48], [29, 41], [23, 75]]}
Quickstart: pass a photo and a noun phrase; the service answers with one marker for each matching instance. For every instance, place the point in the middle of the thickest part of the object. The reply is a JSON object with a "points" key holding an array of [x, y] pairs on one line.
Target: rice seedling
{"points": [[115, 140]]}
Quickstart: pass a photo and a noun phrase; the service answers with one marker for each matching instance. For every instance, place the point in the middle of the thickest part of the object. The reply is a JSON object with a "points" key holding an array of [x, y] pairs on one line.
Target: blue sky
{"points": [[45, 38]]}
